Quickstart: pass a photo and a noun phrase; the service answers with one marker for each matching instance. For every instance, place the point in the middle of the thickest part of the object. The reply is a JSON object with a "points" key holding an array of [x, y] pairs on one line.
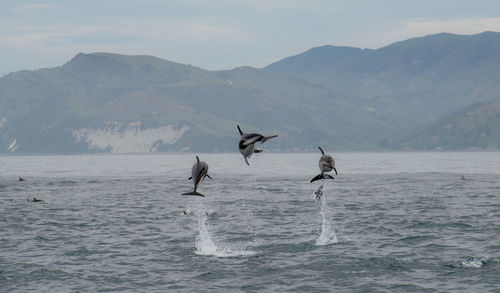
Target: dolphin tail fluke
{"points": [[246, 161], [317, 177], [193, 193], [268, 137], [322, 176]]}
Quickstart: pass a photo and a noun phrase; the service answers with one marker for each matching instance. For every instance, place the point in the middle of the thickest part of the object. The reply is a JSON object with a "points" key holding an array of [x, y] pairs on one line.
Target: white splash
{"points": [[2, 122], [327, 235], [13, 145], [205, 245], [473, 263], [129, 139]]}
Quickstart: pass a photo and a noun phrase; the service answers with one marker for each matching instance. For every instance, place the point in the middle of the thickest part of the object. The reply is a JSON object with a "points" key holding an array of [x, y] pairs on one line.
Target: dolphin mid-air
{"points": [[198, 173], [326, 164], [247, 143]]}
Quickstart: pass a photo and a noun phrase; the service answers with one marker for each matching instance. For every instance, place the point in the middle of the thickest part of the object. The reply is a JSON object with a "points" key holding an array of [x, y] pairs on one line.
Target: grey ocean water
{"points": [[389, 222]]}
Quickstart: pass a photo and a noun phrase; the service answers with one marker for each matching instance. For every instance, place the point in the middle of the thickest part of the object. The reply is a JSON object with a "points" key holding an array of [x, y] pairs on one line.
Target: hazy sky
{"points": [[222, 34]]}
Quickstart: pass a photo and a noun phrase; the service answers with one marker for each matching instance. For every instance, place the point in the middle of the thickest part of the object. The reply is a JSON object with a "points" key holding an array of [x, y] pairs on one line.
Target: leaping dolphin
{"points": [[326, 164], [247, 143], [198, 173]]}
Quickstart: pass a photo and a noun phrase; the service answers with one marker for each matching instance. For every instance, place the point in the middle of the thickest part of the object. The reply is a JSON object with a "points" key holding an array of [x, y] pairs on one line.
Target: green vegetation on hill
{"points": [[475, 127], [343, 98]]}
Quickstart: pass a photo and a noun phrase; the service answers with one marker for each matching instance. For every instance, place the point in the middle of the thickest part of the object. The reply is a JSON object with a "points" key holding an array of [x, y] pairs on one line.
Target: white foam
{"points": [[205, 245], [473, 263], [327, 235]]}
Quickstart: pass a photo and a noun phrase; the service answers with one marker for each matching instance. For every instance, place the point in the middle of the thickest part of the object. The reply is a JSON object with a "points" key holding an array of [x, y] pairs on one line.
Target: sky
{"points": [[222, 34]]}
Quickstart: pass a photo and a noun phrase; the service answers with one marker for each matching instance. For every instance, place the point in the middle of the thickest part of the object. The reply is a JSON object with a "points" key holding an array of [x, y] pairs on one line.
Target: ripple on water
{"points": [[398, 232]]}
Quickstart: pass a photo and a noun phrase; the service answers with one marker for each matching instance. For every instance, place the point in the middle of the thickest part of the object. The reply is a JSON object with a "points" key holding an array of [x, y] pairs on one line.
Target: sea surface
{"points": [[389, 222]]}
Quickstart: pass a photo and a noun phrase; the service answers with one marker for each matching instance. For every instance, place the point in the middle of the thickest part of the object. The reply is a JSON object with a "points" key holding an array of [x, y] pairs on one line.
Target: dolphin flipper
{"points": [[190, 178], [246, 161], [209, 177], [193, 193], [239, 129], [322, 152]]}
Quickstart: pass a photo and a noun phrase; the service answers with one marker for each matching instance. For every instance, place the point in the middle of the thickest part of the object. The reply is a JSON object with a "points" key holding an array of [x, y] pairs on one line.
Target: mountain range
{"points": [[434, 92]]}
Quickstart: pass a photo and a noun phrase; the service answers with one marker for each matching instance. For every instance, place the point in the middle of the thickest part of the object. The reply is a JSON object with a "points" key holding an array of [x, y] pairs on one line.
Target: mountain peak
{"points": [[112, 63], [317, 58], [132, 60]]}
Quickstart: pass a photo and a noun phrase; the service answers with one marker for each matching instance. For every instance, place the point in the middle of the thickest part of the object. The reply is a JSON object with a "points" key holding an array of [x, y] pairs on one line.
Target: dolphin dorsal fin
{"points": [[197, 160], [322, 152], [239, 129]]}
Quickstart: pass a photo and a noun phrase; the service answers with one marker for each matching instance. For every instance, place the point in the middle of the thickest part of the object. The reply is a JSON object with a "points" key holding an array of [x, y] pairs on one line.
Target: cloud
{"points": [[33, 8], [205, 32], [101, 37], [24, 8], [460, 26], [24, 40]]}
